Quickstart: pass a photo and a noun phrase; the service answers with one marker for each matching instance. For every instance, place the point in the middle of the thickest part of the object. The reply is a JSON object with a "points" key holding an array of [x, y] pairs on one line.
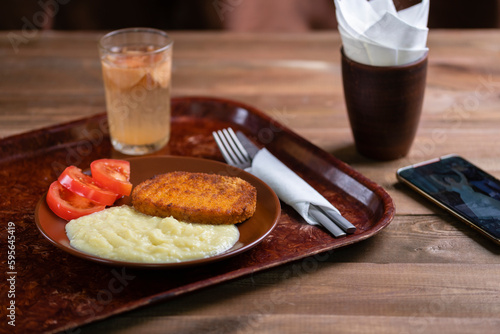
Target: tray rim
{"points": [[387, 201]]}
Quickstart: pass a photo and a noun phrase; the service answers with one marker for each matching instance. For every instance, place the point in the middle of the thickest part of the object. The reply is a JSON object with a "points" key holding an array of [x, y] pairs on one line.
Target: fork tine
{"points": [[222, 147], [229, 148], [236, 140], [236, 146], [232, 150]]}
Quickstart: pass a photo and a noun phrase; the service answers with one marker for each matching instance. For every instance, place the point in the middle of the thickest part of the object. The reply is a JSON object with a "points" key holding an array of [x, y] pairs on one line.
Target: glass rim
{"points": [[109, 49]]}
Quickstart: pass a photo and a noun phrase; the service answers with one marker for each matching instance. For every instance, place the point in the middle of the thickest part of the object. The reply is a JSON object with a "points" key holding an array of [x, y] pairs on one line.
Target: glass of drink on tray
{"points": [[136, 68]]}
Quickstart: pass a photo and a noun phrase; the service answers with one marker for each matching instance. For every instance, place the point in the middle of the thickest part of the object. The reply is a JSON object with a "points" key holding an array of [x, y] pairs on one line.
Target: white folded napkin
{"points": [[289, 187], [374, 33]]}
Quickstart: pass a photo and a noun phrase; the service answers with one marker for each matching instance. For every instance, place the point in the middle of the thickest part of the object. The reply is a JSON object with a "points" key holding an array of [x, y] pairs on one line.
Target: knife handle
{"points": [[339, 220], [326, 222]]}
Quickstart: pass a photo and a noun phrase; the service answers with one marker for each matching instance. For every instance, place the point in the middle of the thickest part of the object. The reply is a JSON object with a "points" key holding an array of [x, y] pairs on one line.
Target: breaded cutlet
{"points": [[196, 197]]}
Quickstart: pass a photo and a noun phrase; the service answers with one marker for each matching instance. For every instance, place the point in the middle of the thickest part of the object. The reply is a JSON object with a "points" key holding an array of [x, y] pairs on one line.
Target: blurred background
{"points": [[234, 15]]}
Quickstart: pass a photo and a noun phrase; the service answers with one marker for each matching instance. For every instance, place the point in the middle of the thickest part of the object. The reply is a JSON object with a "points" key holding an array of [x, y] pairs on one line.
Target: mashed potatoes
{"points": [[124, 234]]}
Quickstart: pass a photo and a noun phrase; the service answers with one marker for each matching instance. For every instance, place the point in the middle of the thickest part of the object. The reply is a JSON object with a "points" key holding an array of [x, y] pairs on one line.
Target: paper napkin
{"points": [[374, 33]]}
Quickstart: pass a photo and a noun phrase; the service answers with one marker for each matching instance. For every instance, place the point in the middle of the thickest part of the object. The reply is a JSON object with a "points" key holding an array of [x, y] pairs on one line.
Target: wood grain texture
{"points": [[425, 273]]}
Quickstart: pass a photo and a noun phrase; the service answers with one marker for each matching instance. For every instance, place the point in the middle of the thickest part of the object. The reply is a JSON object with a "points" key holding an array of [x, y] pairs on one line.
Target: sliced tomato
{"points": [[73, 179], [112, 174], [68, 205]]}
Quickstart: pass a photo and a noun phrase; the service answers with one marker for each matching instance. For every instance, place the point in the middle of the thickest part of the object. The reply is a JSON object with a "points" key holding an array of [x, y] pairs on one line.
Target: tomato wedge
{"points": [[68, 205], [72, 178], [112, 174]]}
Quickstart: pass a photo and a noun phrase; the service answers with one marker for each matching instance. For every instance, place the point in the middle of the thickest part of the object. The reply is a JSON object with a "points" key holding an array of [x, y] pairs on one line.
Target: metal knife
{"points": [[328, 218]]}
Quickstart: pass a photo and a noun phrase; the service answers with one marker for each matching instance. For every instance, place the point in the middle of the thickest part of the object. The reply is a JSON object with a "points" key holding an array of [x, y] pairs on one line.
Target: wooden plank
{"points": [[299, 324], [423, 239], [326, 295]]}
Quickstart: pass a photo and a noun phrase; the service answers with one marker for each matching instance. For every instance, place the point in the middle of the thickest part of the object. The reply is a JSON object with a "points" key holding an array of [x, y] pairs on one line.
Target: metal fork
{"points": [[233, 152]]}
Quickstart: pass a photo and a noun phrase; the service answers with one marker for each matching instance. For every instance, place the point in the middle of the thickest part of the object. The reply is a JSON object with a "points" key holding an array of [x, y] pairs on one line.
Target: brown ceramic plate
{"points": [[252, 231]]}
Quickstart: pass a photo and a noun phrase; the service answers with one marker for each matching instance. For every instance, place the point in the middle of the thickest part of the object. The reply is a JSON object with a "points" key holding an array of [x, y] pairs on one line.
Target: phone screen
{"points": [[461, 187]]}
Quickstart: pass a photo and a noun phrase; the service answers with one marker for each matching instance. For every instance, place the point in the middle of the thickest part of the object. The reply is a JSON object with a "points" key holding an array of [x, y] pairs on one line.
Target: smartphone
{"points": [[459, 187]]}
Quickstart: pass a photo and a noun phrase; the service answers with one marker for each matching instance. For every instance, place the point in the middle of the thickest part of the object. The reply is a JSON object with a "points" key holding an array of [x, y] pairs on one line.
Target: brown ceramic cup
{"points": [[384, 104]]}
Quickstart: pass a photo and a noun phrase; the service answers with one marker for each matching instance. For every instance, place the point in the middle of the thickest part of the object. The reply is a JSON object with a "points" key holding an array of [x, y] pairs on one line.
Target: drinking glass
{"points": [[136, 67]]}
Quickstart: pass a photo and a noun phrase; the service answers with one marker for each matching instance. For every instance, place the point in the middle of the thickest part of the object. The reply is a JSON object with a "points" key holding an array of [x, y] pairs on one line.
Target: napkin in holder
{"points": [[374, 33]]}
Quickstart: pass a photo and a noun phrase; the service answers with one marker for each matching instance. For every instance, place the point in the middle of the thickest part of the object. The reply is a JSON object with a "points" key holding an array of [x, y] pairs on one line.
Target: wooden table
{"points": [[425, 273]]}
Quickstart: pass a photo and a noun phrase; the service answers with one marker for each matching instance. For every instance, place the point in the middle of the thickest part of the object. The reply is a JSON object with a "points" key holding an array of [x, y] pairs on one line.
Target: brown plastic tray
{"points": [[56, 291]]}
